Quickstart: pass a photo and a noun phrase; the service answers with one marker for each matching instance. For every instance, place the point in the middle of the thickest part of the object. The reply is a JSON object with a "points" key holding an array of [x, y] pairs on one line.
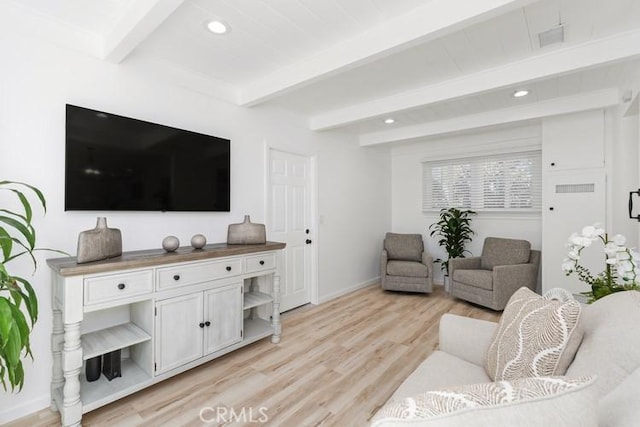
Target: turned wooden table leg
{"points": [[71, 411], [275, 320], [57, 339]]}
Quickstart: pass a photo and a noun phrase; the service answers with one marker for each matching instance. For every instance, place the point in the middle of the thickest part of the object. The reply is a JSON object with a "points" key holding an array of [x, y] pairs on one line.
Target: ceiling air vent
{"points": [[552, 36]]}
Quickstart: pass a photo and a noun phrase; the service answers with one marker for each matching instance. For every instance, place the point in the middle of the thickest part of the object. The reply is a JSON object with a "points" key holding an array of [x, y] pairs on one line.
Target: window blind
{"points": [[505, 182]]}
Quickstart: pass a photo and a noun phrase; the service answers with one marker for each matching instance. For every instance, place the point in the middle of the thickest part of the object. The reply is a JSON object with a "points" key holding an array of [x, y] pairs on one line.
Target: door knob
{"points": [[308, 241]]}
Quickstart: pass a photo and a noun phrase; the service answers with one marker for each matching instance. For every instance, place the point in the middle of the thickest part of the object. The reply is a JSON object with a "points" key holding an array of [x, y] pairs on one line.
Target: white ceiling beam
{"points": [[571, 59], [553, 107], [139, 20], [433, 20]]}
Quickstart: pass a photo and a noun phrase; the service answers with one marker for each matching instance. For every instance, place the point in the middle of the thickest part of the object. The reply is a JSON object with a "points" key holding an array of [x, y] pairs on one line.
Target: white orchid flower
{"points": [[589, 231], [611, 249], [619, 239], [567, 266]]}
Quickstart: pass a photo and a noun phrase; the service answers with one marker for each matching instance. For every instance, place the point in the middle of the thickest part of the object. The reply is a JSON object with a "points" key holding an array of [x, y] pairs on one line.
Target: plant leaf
{"points": [[24, 230], [6, 322], [6, 243]]}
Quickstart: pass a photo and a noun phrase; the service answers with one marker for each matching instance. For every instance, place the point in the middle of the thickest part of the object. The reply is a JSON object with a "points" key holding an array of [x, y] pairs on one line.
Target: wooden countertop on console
{"points": [[152, 257]]}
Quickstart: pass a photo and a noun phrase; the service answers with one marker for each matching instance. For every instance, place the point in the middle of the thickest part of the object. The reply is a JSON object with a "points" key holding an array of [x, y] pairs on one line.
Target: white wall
{"points": [[36, 80], [407, 215]]}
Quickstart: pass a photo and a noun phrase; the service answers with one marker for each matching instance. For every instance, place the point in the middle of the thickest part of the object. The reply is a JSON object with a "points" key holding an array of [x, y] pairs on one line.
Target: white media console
{"points": [[165, 312]]}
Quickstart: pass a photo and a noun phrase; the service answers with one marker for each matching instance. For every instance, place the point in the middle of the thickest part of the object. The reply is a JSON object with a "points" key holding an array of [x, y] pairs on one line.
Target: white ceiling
{"points": [[351, 63]]}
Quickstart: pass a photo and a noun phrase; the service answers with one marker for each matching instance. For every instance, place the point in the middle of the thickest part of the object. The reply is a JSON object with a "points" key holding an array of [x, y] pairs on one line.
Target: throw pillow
{"points": [[537, 336], [533, 402]]}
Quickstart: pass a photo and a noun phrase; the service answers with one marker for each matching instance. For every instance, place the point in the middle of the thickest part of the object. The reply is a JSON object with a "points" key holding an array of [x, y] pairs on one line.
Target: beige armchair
{"points": [[404, 265], [489, 280]]}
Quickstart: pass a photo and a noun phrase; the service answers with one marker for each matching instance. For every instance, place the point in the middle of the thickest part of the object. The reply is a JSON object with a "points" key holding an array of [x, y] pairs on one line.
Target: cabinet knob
{"points": [[261, 262], [176, 277], [228, 268], [551, 208], [121, 286], [207, 323], [201, 325], [308, 241], [553, 163]]}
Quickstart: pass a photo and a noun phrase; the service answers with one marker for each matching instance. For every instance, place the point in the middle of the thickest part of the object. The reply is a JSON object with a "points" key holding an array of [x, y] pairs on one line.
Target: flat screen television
{"points": [[116, 163]]}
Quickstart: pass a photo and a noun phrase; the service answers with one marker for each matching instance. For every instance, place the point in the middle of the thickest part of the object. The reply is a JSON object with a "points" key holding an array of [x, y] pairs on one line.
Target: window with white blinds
{"points": [[504, 182]]}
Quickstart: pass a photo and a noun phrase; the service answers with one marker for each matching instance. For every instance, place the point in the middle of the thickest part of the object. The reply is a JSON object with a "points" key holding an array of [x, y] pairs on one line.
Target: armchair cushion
{"points": [[407, 268], [536, 336], [534, 402], [499, 251], [479, 278], [404, 247]]}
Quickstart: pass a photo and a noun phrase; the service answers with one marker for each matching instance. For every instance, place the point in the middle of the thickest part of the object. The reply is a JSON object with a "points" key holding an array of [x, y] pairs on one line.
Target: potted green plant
{"points": [[18, 301], [454, 230]]}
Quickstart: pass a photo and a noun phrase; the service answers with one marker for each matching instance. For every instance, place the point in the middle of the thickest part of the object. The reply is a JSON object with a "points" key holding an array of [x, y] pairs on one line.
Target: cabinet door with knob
{"points": [[222, 317], [178, 331]]}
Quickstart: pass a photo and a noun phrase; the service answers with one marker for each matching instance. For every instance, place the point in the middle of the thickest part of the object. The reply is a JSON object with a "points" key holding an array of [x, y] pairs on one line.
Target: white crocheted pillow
{"points": [[536, 336], [528, 402]]}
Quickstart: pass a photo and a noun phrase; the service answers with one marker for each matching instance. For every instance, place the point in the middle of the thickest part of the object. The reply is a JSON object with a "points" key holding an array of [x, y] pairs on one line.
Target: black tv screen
{"points": [[116, 163]]}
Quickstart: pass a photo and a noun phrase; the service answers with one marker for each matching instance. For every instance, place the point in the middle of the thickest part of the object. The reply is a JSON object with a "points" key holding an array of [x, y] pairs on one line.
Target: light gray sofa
{"points": [[490, 279], [610, 351], [404, 265]]}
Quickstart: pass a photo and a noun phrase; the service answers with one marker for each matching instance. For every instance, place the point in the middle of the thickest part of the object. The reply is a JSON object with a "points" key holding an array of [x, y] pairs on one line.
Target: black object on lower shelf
{"points": [[111, 366], [93, 368]]}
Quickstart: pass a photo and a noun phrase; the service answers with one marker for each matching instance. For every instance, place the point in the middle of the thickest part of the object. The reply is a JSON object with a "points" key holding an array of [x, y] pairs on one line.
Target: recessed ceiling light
{"points": [[217, 27], [520, 93], [389, 121]]}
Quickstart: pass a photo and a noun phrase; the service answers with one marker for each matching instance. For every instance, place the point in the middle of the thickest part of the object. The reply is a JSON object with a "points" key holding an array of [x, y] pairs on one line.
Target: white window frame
{"points": [[474, 178]]}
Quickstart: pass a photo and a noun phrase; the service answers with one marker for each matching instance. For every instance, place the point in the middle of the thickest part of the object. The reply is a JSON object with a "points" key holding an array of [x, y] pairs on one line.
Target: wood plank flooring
{"points": [[336, 365]]}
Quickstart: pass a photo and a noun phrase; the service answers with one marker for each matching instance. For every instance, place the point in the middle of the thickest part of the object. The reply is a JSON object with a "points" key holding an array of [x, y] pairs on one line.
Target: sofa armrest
{"points": [[509, 278], [428, 261], [384, 257], [466, 338], [472, 263]]}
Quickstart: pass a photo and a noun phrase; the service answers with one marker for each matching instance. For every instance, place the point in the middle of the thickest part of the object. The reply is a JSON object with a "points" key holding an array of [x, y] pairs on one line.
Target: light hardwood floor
{"points": [[336, 365]]}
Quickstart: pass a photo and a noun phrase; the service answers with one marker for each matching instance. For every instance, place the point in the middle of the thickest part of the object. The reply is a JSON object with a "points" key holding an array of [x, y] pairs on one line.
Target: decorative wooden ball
{"points": [[198, 241], [170, 243]]}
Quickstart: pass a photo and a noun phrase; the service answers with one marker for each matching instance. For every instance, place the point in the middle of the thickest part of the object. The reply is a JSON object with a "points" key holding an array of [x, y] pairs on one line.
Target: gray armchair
{"points": [[489, 280], [404, 266]]}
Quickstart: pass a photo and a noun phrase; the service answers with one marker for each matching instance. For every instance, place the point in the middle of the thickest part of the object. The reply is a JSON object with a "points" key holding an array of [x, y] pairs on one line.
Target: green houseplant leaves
{"points": [[18, 301], [455, 231]]}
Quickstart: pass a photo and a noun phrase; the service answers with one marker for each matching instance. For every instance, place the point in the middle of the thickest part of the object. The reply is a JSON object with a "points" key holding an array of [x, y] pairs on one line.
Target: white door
{"points": [[222, 317], [289, 222], [572, 200], [178, 331]]}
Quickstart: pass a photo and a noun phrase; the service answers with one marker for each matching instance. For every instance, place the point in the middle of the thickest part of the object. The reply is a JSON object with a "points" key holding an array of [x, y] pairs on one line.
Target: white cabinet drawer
{"points": [[189, 274], [100, 289], [260, 263]]}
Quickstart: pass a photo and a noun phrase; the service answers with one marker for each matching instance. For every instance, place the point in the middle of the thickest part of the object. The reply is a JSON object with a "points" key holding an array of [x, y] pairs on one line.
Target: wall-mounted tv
{"points": [[116, 163]]}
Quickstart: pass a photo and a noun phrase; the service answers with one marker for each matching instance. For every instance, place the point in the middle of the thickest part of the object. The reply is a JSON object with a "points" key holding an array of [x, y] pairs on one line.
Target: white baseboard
{"points": [[24, 409], [348, 290]]}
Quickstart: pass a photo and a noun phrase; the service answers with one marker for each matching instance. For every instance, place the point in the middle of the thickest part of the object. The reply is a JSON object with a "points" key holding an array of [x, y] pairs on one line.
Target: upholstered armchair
{"points": [[404, 264], [490, 279]]}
